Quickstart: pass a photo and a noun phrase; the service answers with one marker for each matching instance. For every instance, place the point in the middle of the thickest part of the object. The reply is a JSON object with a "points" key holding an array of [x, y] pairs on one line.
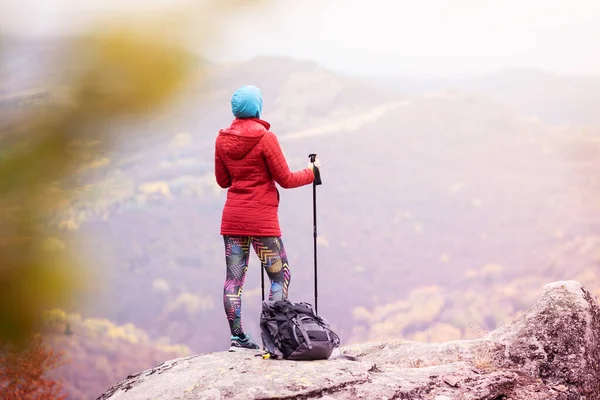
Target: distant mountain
{"points": [[553, 98], [556, 99], [297, 94]]}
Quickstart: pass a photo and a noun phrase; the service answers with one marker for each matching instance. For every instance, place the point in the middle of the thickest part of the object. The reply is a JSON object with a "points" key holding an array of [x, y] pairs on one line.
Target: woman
{"points": [[249, 161]]}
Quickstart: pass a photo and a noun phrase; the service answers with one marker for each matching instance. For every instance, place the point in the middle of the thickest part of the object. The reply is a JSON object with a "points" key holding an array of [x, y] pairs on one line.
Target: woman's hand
{"points": [[316, 163]]}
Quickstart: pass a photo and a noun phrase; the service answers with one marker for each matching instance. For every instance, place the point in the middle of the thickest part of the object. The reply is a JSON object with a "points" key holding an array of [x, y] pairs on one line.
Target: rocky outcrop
{"points": [[550, 352]]}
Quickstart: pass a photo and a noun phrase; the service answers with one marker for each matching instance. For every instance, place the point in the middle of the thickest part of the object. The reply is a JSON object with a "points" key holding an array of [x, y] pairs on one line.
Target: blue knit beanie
{"points": [[246, 102]]}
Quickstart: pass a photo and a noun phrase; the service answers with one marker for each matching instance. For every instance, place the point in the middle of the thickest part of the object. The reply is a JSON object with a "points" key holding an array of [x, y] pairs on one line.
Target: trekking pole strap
{"points": [[316, 171]]}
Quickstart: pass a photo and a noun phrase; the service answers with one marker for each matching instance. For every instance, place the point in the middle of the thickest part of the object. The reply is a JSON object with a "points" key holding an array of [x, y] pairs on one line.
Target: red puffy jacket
{"points": [[248, 161]]}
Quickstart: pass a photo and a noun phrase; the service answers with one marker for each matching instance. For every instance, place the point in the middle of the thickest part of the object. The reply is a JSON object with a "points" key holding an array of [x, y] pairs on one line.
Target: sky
{"points": [[424, 38]]}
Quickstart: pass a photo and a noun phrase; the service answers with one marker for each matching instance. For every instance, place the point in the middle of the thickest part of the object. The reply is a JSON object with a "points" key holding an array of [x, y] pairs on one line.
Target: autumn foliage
{"points": [[24, 372]]}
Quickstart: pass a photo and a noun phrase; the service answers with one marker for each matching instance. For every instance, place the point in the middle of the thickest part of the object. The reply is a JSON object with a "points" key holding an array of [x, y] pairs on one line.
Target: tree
{"points": [[24, 371]]}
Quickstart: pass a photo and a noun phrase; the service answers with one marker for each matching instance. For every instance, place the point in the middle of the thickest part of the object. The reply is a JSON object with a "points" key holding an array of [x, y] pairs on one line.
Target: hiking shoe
{"points": [[238, 344]]}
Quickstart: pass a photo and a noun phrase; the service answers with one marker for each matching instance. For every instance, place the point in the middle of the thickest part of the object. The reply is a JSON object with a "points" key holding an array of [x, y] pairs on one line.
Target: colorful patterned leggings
{"points": [[273, 259]]}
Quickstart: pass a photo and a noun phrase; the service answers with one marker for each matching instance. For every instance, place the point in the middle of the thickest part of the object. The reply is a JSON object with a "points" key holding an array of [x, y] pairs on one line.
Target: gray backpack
{"points": [[293, 331]]}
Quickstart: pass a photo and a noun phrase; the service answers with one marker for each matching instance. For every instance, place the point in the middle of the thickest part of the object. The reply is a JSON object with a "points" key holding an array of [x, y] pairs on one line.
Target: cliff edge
{"points": [[551, 352]]}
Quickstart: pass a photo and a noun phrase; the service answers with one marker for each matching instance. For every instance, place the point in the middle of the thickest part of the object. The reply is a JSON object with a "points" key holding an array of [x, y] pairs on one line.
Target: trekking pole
{"points": [[316, 181], [262, 282]]}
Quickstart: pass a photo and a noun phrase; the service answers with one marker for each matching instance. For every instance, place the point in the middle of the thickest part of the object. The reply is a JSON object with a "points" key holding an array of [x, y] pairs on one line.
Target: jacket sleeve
{"points": [[279, 168], [221, 172]]}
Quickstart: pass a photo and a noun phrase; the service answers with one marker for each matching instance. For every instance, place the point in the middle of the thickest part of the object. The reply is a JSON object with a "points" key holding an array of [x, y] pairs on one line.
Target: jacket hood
{"points": [[247, 102], [242, 135]]}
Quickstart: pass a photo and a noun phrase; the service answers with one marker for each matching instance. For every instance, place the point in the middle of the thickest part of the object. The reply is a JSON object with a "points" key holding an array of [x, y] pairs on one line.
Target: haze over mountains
{"points": [[553, 98], [443, 208]]}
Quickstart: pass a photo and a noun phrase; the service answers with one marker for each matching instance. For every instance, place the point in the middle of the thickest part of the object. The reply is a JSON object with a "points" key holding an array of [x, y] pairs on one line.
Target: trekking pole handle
{"points": [[316, 171]]}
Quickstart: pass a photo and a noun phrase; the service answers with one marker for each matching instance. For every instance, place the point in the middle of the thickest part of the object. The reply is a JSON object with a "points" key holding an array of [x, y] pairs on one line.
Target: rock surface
{"points": [[551, 352]]}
